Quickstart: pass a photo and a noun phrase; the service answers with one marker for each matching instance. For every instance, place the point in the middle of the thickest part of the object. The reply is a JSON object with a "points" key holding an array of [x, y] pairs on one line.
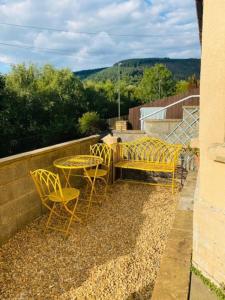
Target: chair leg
{"points": [[86, 189], [72, 216], [106, 181], [50, 216], [113, 174], [92, 183], [173, 182], [89, 204], [89, 185]]}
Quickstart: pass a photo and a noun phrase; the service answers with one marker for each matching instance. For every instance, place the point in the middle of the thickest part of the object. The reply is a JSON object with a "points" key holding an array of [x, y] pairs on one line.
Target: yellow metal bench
{"points": [[151, 155]]}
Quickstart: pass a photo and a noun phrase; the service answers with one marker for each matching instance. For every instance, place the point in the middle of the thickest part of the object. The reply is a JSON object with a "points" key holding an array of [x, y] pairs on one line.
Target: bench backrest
{"points": [[151, 150]]}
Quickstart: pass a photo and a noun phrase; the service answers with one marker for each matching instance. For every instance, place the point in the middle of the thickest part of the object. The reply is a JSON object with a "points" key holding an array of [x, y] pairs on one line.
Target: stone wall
{"points": [[19, 202]]}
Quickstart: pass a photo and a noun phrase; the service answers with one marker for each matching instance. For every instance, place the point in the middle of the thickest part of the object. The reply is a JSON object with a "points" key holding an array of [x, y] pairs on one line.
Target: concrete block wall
{"points": [[160, 128], [19, 201], [128, 135]]}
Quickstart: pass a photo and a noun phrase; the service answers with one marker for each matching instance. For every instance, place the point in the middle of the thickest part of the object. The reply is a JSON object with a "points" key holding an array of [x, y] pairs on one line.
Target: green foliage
{"points": [[134, 69], [40, 107], [156, 83], [90, 123], [2, 87], [220, 292], [86, 73], [103, 97], [182, 86], [133, 75]]}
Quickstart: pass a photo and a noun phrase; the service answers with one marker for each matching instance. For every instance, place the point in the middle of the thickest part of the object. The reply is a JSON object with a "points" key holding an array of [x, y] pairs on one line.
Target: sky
{"points": [[95, 33]]}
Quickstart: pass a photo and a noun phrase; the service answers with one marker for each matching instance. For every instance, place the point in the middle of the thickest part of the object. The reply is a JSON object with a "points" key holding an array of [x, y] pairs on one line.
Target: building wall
{"points": [[19, 201], [175, 112], [209, 212]]}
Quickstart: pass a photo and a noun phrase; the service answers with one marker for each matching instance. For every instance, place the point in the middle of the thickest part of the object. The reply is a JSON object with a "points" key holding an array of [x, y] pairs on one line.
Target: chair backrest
{"points": [[46, 183], [103, 151]]}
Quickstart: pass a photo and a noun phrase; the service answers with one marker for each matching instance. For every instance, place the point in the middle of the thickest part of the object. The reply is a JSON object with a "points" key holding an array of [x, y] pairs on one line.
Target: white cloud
{"points": [[173, 24], [119, 11], [5, 59]]}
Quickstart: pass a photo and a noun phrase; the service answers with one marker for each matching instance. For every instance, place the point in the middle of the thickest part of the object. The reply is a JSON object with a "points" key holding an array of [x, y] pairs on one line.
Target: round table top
{"points": [[77, 162]]}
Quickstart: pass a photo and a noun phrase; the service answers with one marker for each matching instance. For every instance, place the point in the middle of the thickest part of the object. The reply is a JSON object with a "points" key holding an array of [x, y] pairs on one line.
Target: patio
{"points": [[115, 256]]}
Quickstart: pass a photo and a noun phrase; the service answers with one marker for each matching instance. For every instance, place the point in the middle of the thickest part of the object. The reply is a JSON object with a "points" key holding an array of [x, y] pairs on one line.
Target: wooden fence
{"points": [[175, 112]]}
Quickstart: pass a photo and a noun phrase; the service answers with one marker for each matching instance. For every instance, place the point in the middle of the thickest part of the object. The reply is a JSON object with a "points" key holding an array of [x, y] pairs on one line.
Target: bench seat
{"points": [[145, 166]]}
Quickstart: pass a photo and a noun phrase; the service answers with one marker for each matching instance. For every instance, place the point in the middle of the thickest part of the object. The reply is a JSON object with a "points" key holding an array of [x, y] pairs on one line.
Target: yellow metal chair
{"points": [[54, 197], [102, 173]]}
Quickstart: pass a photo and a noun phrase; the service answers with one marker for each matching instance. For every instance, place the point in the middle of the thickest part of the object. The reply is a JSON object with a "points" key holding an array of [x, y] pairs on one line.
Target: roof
{"points": [[199, 7]]}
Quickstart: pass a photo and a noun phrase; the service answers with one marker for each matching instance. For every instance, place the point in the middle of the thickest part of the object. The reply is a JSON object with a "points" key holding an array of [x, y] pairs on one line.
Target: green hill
{"points": [[86, 73], [133, 69]]}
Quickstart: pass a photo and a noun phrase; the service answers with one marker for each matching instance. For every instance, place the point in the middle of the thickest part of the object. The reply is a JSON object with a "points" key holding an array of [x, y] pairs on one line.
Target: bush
{"points": [[90, 123]]}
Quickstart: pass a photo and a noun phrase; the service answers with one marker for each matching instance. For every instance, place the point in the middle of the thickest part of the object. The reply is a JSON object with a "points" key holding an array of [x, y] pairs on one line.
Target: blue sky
{"points": [[123, 29]]}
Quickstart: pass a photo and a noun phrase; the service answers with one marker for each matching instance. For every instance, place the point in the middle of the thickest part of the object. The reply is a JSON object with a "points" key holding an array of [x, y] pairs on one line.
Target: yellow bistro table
{"points": [[79, 162]]}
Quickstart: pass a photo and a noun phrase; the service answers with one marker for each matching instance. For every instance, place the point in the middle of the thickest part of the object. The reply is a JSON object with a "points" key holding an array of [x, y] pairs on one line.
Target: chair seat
{"points": [[68, 193], [99, 173], [145, 166]]}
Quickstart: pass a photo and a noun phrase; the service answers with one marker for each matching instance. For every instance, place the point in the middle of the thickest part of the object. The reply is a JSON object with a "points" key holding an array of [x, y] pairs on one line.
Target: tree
{"points": [[193, 81], [2, 90], [100, 97], [41, 106], [157, 82], [90, 123], [182, 86]]}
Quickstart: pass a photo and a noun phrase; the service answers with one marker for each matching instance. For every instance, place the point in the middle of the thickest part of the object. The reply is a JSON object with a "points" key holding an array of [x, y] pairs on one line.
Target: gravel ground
{"points": [[115, 256]]}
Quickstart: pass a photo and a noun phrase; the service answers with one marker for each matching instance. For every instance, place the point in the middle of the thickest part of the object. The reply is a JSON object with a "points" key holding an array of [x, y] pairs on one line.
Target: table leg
{"points": [[67, 177]]}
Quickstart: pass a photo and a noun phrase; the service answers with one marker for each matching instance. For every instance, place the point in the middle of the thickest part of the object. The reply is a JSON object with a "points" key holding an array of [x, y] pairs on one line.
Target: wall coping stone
{"points": [[25, 155], [129, 131], [162, 120], [190, 106]]}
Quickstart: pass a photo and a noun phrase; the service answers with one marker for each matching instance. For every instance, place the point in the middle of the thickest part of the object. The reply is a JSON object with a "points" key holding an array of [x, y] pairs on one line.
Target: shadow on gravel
{"points": [[46, 265]]}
